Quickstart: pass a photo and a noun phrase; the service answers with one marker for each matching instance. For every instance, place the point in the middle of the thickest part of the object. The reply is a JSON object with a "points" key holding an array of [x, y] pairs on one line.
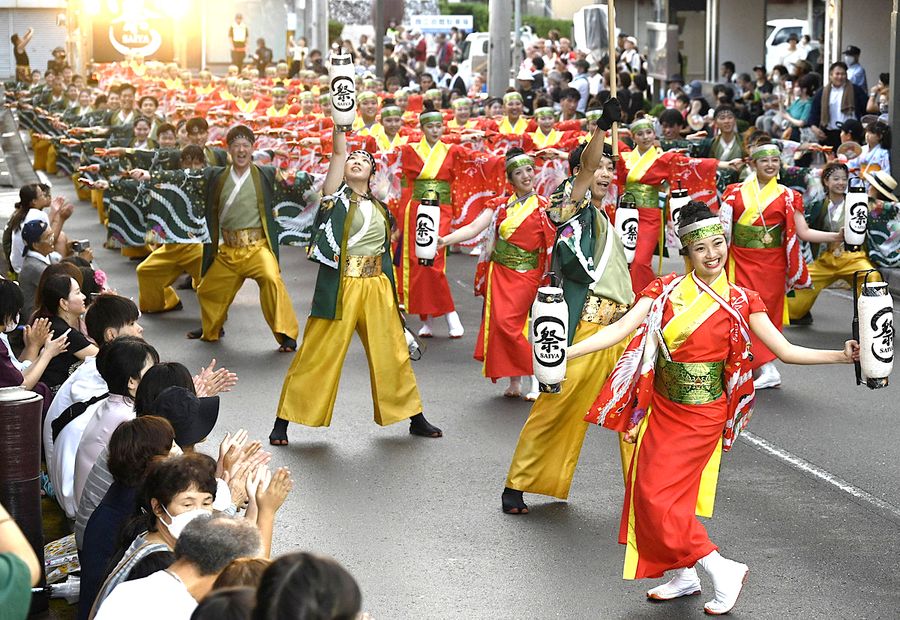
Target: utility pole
{"points": [[318, 27], [379, 39], [498, 48]]}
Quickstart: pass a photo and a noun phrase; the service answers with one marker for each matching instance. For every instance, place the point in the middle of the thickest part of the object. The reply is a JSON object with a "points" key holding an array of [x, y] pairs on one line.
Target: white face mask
{"points": [[179, 521], [12, 325]]}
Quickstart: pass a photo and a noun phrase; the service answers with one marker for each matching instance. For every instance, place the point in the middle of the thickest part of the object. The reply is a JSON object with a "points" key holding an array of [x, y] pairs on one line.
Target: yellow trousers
{"points": [[158, 271], [310, 388], [135, 251], [550, 442], [224, 279], [824, 271], [83, 193], [40, 148], [97, 201], [51, 160]]}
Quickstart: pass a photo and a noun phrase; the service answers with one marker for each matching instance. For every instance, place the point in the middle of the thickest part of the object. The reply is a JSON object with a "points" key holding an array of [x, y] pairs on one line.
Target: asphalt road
{"points": [[418, 521]]}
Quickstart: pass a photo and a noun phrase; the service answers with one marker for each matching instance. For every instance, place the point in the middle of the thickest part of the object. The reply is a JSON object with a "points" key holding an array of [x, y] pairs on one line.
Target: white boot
{"points": [[425, 331], [684, 583], [768, 377], [454, 325], [532, 395], [728, 579]]}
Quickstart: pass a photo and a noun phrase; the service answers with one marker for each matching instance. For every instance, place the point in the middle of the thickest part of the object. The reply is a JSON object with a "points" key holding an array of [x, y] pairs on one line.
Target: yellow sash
{"points": [[246, 106], [639, 164], [517, 211], [433, 158], [277, 113], [756, 201], [507, 128], [543, 141], [691, 307], [204, 90]]}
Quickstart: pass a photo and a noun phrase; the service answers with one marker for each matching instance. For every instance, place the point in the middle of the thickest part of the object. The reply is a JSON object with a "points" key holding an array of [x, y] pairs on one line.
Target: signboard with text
{"points": [[433, 24]]}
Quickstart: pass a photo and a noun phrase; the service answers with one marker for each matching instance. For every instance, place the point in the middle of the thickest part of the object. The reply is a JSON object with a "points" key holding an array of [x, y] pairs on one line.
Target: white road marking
{"points": [[864, 498]]}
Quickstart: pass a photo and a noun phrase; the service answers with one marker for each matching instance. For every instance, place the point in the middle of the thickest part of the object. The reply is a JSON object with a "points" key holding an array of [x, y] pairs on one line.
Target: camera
{"points": [[81, 246]]}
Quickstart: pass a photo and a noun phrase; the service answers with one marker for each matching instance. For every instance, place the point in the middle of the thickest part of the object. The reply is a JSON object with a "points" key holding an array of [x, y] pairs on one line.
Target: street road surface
{"points": [[418, 521]]}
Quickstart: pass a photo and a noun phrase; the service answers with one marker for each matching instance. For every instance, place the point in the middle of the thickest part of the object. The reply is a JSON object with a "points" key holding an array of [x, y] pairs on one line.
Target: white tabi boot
{"points": [[728, 579], [684, 583], [425, 331], [535, 390], [768, 377], [454, 325]]}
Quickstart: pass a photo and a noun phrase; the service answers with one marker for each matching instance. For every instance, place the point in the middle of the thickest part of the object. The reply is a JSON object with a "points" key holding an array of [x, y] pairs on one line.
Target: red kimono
{"points": [[424, 289], [641, 175], [502, 343], [771, 271]]}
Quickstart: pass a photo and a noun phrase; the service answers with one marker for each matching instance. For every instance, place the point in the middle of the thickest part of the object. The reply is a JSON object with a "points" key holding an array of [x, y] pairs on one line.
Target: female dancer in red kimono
{"points": [[641, 172], [682, 392], [766, 222], [519, 254], [427, 165]]}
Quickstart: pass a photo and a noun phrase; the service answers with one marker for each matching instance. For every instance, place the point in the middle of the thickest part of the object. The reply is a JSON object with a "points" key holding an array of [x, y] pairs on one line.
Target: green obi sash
{"points": [[420, 186], [754, 237], [646, 196], [695, 383], [514, 257]]}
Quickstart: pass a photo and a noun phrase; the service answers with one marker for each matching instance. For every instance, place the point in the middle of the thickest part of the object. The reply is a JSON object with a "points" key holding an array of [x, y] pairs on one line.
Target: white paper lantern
{"points": [[876, 333], [549, 338], [856, 218], [428, 220], [626, 225], [343, 91]]}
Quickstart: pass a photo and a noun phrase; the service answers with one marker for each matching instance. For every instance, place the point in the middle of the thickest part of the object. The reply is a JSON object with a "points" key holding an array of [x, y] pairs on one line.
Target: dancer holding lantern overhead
{"points": [[643, 170], [597, 288], [354, 292], [519, 244], [427, 165], [687, 366], [765, 220]]}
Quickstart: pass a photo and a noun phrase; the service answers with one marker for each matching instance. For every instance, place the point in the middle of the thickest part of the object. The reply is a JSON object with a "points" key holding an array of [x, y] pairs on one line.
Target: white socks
{"points": [[684, 583], [454, 325], [425, 331], [728, 578]]}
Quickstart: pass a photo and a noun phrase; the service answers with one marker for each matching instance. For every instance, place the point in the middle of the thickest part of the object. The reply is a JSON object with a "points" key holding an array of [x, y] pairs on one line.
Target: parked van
{"points": [[475, 52]]}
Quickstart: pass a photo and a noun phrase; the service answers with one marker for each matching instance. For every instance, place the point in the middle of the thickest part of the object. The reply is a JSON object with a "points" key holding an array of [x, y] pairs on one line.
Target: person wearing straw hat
{"points": [[832, 261], [694, 334], [765, 221], [884, 221]]}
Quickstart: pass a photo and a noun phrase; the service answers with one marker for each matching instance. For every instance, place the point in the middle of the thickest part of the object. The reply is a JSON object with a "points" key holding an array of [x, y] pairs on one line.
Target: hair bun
{"points": [[694, 211]]}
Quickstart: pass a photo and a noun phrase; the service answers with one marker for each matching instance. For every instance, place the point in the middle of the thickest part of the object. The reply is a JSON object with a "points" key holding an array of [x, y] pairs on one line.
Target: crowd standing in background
{"points": [[203, 178]]}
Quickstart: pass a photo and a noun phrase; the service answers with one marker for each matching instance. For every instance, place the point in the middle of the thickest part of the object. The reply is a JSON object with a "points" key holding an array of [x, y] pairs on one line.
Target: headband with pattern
{"points": [[431, 116], [519, 161], [765, 150], [695, 231]]}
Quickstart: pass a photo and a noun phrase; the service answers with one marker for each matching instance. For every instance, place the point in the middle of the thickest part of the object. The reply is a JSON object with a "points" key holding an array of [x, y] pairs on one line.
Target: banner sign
{"points": [[441, 23]]}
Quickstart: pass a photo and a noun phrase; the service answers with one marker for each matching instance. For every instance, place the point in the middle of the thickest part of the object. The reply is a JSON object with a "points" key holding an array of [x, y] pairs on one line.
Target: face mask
{"points": [[849, 60], [12, 325], [883, 108], [181, 520]]}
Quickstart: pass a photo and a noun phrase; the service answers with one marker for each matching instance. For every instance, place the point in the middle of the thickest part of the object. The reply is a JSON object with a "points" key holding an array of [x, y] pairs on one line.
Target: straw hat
{"points": [[883, 182]]}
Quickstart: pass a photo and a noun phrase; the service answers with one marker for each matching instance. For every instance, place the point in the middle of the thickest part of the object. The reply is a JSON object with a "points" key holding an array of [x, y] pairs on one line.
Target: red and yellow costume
{"points": [[642, 174], [765, 251], [692, 403], [425, 290], [523, 239]]}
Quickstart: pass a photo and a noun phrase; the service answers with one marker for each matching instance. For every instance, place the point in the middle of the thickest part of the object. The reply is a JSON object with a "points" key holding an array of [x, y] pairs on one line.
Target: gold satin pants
{"points": [[224, 279], [824, 271], [311, 386], [550, 442], [157, 272]]}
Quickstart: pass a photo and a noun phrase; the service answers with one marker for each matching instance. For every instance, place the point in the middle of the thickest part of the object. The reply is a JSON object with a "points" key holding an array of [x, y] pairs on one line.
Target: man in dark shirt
{"points": [[263, 56]]}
